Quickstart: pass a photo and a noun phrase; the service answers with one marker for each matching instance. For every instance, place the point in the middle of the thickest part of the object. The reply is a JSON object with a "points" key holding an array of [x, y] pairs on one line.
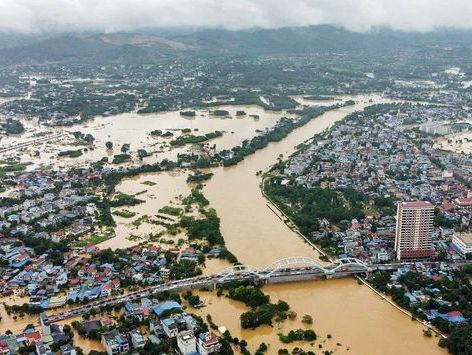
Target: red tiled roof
{"points": [[447, 206], [33, 336], [211, 339], [462, 201]]}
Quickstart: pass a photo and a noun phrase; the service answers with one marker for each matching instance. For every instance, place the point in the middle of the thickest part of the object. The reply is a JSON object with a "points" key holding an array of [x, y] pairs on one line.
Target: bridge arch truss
{"points": [[340, 265]]}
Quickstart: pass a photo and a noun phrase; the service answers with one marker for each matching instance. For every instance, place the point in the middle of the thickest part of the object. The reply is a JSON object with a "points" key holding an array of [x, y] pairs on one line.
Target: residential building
{"points": [[45, 326], [208, 343], [186, 342], [137, 339], [68, 350], [164, 274], [115, 342], [170, 327], [414, 230], [4, 349], [462, 242], [43, 349]]}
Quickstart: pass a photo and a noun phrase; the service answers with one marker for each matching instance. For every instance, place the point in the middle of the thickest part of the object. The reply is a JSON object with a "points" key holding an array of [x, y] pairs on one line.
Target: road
{"points": [[240, 273]]}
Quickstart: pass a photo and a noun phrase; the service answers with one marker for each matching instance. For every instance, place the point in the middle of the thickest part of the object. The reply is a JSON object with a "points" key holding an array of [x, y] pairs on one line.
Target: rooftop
{"points": [[416, 204], [466, 238]]}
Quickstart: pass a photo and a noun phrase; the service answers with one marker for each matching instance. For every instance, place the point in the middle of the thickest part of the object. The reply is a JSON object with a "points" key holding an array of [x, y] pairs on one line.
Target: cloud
{"points": [[31, 16]]}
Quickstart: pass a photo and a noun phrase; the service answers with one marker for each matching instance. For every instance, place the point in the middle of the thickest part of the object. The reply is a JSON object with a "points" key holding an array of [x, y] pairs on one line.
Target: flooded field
{"points": [[135, 129], [458, 142], [156, 190]]}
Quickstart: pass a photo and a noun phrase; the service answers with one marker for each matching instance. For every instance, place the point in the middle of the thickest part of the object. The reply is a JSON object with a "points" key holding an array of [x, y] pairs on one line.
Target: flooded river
{"points": [[355, 316], [358, 319], [251, 230]]}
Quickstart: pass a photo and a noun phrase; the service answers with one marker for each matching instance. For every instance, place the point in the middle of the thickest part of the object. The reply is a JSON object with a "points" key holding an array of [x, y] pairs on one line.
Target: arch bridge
{"points": [[296, 266]]}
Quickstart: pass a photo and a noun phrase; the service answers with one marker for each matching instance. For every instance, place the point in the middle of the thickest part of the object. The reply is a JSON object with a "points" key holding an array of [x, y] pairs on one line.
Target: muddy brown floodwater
{"points": [[358, 319], [355, 316]]}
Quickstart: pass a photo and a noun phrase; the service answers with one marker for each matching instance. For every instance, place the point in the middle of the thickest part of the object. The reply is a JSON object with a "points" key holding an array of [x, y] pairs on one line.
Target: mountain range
{"points": [[149, 46]]}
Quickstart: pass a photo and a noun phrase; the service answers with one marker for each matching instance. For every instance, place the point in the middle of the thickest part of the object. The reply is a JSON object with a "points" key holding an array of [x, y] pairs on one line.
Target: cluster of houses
{"points": [[79, 276], [167, 321], [418, 298], [38, 341], [361, 239], [381, 158], [45, 211], [50, 206]]}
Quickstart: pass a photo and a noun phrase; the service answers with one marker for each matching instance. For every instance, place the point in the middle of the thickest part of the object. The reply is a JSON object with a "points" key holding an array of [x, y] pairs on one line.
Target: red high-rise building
{"points": [[413, 235]]}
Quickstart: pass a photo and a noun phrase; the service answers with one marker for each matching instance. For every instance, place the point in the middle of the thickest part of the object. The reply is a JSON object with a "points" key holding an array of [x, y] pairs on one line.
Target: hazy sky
{"points": [[116, 15]]}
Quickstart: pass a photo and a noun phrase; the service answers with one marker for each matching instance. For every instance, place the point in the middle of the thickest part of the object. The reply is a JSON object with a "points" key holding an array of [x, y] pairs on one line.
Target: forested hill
{"points": [[151, 46]]}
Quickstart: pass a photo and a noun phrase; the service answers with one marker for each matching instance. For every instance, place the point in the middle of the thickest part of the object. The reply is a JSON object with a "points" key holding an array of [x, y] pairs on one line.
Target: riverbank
{"points": [[284, 217], [355, 315], [325, 256]]}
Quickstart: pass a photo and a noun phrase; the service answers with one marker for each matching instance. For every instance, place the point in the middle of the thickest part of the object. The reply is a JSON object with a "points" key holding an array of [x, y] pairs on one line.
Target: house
{"points": [[114, 342], [452, 317], [412, 299], [164, 273], [189, 253], [43, 349], [156, 328], [136, 311], [208, 343], [169, 326], [91, 326], [45, 325], [186, 342], [32, 338], [4, 349], [61, 279], [177, 322], [68, 350], [137, 339], [13, 344], [106, 322], [463, 202]]}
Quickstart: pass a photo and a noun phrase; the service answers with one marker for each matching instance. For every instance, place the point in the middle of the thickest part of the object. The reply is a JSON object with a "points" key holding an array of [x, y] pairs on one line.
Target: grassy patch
{"points": [[137, 222], [94, 239], [173, 211], [12, 168], [70, 153], [125, 213]]}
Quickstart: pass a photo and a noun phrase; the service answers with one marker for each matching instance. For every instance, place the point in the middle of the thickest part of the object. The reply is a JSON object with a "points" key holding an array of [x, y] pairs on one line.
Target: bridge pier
{"points": [[281, 278]]}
